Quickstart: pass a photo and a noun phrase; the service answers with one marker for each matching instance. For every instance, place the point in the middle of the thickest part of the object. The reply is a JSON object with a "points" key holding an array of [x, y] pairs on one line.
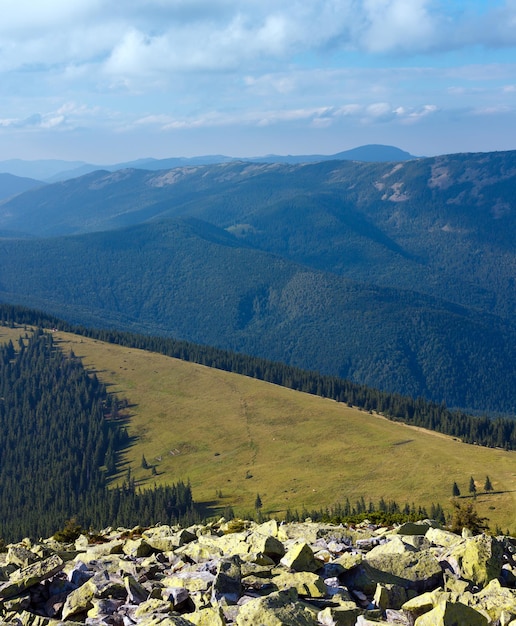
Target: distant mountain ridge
{"points": [[55, 170], [396, 275], [11, 185]]}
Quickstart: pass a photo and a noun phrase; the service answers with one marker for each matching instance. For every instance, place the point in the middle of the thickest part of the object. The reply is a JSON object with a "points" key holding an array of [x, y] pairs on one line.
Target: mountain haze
{"points": [[397, 275], [55, 171]]}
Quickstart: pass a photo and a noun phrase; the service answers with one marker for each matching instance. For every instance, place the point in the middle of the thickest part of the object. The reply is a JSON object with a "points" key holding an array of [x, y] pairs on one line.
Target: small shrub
{"points": [[70, 532], [467, 517]]}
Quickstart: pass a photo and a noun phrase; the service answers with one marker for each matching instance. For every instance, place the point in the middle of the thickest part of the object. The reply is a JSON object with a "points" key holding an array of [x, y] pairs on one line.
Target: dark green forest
{"points": [[190, 280], [60, 444]]}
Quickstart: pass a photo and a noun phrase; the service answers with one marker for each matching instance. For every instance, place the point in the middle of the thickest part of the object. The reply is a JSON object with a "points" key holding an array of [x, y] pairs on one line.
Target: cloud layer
{"points": [[179, 64]]}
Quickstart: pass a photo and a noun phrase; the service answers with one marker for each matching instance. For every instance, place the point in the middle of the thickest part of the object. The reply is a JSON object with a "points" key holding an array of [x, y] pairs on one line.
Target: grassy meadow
{"points": [[234, 437]]}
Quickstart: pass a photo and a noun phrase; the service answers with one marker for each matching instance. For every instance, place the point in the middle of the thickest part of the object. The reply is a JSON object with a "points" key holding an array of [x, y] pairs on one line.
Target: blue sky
{"points": [[107, 81]]}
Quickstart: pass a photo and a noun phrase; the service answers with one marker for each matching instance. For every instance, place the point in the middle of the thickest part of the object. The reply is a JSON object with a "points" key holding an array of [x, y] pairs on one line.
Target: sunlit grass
{"points": [[234, 437]]}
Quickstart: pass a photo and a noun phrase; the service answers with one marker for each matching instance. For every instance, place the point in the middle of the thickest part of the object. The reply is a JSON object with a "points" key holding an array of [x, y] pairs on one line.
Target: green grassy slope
{"points": [[234, 437]]}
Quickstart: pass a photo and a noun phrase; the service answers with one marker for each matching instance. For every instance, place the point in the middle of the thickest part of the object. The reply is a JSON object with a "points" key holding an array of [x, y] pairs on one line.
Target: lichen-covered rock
{"points": [[480, 558], [424, 603], [266, 544], [228, 581], [494, 599], [413, 528], [339, 616], [210, 616], [443, 538], [97, 551], [31, 575], [412, 570], [136, 547], [193, 581], [153, 605], [307, 584], [161, 619], [389, 596], [452, 614], [136, 593], [79, 600], [300, 558], [363, 576], [395, 546], [277, 609]]}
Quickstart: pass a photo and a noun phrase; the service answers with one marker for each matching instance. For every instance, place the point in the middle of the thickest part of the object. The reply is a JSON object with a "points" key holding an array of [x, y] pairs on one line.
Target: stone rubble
{"points": [[269, 574]]}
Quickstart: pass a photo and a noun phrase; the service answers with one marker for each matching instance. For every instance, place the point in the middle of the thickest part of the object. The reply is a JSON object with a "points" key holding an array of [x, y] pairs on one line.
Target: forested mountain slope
{"points": [[61, 442], [191, 280], [397, 275], [442, 226]]}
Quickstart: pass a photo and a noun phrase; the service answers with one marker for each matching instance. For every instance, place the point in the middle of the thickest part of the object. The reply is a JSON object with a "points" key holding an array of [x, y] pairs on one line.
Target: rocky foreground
{"points": [[269, 574]]}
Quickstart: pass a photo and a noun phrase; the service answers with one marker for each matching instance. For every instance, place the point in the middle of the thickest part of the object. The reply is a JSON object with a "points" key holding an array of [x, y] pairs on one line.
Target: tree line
{"points": [[491, 432], [55, 449]]}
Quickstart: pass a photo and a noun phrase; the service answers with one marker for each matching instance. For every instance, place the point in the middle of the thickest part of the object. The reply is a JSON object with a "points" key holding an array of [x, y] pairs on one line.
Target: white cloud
{"points": [[399, 25], [138, 38]]}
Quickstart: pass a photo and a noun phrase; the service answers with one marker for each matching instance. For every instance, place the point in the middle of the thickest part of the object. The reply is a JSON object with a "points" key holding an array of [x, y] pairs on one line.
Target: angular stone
{"points": [[395, 546], [389, 596], [199, 553], [104, 607], [269, 528], [452, 614], [79, 573], [102, 549], [210, 616], [424, 603], [494, 599], [136, 547], [413, 570], [268, 545], [161, 619], [31, 575], [480, 558], [277, 609], [80, 600], [443, 538], [300, 558], [153, 605], [193, 581], [306, 584], [21, 556], [136, 593], [339, 616], [109, 585], [348, 560], [412, 528], [228, 581], [180, 598]]}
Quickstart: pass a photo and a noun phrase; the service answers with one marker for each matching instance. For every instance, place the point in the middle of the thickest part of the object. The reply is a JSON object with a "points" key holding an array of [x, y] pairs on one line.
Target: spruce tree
{"points": [[455, 490]]}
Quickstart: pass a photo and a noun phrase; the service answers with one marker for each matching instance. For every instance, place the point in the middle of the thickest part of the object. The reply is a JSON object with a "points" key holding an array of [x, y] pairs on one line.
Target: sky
{"points": [[107, 81]]}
